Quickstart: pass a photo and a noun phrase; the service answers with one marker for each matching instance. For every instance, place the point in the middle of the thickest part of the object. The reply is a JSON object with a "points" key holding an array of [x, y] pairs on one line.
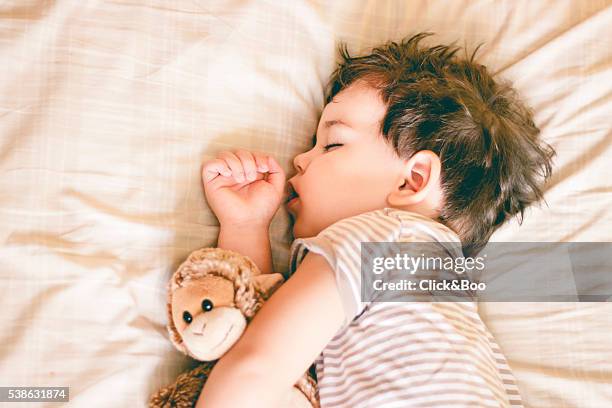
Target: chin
{"points": [[297, 233], [298, 229], [301, 231]]}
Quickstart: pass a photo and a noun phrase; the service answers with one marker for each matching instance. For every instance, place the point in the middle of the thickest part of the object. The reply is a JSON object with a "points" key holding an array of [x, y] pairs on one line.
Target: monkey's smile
{"points": [[224, 337]]}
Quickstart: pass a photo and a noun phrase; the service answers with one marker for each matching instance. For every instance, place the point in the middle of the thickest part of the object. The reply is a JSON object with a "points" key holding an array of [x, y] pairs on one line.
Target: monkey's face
{"points": [[206, 317]]}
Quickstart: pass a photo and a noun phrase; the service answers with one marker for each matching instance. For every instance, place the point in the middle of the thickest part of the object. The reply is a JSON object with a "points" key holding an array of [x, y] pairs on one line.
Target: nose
{"points": [[299, 162], [201, 329]]}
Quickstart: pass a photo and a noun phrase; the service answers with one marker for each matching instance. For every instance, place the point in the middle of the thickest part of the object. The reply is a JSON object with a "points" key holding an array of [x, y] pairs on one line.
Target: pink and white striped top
{"points": [[402, 354]]}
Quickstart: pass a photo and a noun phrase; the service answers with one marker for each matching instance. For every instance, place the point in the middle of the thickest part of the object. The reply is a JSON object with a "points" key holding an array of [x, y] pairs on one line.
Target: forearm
{"points": [[237, 384], [253, 242]]}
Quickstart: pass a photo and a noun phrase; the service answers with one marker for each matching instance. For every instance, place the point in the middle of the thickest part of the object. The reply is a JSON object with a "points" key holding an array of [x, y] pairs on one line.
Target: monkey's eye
{"points": [[187, 317], [207, 305]]}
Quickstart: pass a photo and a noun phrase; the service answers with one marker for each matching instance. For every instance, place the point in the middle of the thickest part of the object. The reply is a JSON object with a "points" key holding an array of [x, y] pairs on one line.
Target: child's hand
{"points": [[243, 188]]}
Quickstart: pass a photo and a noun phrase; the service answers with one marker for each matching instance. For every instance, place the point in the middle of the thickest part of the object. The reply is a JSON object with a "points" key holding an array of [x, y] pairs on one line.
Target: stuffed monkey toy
{"points": [[212, 297]]}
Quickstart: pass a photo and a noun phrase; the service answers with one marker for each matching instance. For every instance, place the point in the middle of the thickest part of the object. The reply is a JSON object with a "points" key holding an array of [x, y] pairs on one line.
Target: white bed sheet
{"points": [[108, 108]]}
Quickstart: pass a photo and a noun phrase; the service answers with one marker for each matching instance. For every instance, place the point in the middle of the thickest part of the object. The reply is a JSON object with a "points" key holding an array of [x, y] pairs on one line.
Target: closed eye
{"points": [[329, 146]]}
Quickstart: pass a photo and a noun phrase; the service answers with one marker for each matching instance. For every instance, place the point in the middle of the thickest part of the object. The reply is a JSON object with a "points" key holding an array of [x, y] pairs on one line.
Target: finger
{"points": [[261, 161], [212, 168], [248, 163], [234, 164], [277, 175]]}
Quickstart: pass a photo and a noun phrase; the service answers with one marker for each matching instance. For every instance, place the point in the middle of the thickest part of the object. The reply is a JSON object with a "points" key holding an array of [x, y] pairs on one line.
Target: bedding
{"points": [[108, 109]]}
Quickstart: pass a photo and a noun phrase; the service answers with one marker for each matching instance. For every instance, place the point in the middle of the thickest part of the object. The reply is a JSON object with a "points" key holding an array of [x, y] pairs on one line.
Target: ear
{"points": [[420, 179], [267, 283]]}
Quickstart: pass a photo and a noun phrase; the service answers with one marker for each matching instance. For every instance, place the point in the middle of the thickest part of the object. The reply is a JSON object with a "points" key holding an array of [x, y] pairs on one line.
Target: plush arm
{"points": [[281, 342], [253, 242]]}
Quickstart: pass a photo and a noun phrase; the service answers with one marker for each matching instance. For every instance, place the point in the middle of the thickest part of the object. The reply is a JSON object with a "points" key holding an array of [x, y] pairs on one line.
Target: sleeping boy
{"points": [[414, 145]]}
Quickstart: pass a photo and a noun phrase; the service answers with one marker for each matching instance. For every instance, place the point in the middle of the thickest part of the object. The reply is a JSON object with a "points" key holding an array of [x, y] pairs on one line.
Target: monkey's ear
{"points": [[267, 283]]}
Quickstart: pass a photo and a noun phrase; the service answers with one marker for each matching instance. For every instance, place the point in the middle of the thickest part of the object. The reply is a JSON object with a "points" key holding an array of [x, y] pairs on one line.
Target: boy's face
{"points": [[349, 179]]}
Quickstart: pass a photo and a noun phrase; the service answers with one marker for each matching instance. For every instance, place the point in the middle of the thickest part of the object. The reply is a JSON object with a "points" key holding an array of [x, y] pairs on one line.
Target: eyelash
{"points": [[329, 146]]}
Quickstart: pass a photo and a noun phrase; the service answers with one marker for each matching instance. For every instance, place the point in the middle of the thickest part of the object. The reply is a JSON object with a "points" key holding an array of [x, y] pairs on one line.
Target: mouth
{"points": [[291, 194], [224, 337]]}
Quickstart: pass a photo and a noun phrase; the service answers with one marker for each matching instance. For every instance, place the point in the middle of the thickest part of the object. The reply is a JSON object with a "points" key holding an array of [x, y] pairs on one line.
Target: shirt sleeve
{"points": [[347, 278], [340, 245]]}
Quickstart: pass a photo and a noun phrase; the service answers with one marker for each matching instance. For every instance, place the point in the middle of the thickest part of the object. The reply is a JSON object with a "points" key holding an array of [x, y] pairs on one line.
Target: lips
{"points": [[291, 193]]}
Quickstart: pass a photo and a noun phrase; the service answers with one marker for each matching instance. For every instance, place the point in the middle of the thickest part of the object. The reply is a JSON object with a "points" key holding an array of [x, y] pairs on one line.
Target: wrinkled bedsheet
{"points": [[108, 109]]}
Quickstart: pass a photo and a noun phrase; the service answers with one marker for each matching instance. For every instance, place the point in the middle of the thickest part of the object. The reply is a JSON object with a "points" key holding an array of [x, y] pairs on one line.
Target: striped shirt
{"points": [[402, 354]]}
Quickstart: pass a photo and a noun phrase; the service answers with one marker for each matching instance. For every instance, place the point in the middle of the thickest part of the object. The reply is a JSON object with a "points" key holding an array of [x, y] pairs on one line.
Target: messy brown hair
{"points": [[493, 160]]}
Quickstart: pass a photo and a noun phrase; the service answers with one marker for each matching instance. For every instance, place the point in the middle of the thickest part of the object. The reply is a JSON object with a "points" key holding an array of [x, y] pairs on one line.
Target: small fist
{"points": [[243, 188]]}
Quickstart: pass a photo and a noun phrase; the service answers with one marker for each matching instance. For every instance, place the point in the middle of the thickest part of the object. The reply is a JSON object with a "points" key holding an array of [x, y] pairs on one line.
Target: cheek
{"points": [[326, 182], [320, 193], [330, 193], [350, 183]]}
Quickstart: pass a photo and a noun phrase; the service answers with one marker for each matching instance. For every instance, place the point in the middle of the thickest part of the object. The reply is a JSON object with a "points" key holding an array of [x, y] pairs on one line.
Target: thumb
{"points": [[276, 175]]}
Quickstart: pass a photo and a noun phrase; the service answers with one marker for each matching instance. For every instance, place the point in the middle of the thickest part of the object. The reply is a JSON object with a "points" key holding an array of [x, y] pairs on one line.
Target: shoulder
{"points": [[342, 239], [417, 227], [376, 225], [383, 225]]}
